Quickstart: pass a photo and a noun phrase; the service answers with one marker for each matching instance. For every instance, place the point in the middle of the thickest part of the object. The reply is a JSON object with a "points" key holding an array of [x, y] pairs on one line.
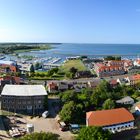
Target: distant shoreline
{"points": [[10, 48]]}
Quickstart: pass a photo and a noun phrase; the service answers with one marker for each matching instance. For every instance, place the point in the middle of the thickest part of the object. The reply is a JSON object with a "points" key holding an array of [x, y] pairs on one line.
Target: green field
{"points": [[78, 64]]}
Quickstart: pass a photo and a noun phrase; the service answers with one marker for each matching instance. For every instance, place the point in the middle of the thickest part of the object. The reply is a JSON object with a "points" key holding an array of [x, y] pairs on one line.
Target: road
{"points": [[81, 79]]}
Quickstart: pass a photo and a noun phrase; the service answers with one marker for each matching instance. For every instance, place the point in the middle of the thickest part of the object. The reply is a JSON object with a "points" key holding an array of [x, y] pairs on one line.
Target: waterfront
{"points": [[61, 51]]}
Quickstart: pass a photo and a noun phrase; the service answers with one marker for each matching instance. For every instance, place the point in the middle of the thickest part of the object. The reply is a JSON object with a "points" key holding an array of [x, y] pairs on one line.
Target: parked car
{"points": [[63, 126], [45, 114]]}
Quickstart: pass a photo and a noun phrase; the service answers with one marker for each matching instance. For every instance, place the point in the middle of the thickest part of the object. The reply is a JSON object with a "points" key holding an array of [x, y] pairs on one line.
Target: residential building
{"points": [[133, 79], [123, 81], [24, 67], [23, 98], [137, 107], [137, 63], [114, 120], [62, 86], [52, 87], [93, 84], [113, 83], [9, 80], [83, 74], [126, 100], [104, 70]]}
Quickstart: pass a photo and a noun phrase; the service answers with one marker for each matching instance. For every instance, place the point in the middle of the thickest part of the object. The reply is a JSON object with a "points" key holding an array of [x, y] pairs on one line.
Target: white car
{"points": [[45, 114]]}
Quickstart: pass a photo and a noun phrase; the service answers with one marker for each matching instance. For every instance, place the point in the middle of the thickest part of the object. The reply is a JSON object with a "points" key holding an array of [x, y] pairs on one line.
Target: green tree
{"points": [[73, 70], [40, 136], [67, 112], [108, 104], [32, 70], [93, 133], [50, 73], [55, 70], [37, 65], [69, 75]]}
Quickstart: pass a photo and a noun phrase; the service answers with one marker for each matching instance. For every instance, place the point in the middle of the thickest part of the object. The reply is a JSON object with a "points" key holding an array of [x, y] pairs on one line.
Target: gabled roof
{"points": [[125, 99], [113, 82], [108, 117]]}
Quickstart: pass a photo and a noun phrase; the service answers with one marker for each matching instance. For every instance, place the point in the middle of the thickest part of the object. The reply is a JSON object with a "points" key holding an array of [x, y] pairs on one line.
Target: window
{"points": [[39, 101]]}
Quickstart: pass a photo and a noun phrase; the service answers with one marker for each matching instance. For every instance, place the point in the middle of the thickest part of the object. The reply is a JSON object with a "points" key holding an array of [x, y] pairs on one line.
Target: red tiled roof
{"points": [[113, 82], [138, 61], [136, 77], [17, 79], [108, 117], [52, 85]]}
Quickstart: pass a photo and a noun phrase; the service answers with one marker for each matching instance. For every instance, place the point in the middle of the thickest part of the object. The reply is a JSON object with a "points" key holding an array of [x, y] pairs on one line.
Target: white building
{"points": [[137, 108], [137, 63], [126, 100], [115, 120]]}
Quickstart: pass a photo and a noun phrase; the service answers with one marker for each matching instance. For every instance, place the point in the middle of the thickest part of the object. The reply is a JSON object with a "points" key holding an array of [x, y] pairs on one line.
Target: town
{"points": [[82, 94]]}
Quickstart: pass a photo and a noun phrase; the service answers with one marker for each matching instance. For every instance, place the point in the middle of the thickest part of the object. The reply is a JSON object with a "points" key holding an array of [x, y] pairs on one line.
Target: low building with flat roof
{"points": [[23, 98]]}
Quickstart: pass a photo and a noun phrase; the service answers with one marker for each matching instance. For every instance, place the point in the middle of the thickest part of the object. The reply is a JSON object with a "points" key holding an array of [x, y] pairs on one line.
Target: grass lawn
{"points": [[78, 64]]}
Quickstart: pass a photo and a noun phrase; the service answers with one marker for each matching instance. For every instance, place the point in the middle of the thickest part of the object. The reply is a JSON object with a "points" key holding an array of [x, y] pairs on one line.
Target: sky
{"points": [[70, 21]]}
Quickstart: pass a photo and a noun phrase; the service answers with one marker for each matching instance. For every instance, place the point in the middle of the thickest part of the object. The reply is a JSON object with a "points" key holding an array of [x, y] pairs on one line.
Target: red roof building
{"points": [[113, 119]]}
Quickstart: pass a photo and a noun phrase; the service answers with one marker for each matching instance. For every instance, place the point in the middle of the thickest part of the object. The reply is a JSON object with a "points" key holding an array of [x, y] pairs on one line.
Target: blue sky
{"points": [[70, 21]]}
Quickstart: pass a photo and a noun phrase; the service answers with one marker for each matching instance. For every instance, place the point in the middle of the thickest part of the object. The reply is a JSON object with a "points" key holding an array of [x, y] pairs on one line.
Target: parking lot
{"points": [[49, 125]]}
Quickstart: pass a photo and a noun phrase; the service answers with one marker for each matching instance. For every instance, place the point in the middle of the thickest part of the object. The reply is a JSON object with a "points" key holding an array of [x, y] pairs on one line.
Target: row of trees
{"points": [[112, 58], [86, 133], [40, 136], [75, 105]]}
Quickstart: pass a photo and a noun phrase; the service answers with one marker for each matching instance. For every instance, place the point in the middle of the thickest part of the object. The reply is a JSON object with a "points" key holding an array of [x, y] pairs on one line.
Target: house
{"points": [[137, 63], [24, 67], [52, 87], [113, 83], [126, 100], [123, 81], [23, 98], [114, 120], [62, 86], [137, 108], [134, 79], [9, 80], [105, 69], [8, 66], [93, 84], [83, 74]]}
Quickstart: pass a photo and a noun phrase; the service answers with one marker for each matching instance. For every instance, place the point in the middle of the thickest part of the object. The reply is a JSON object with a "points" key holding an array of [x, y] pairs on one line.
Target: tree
{"points": [[55, 70], [112, 58], [32, 70], [93, 133], [108, 104], [40, 136], [73, 70], [69, 75], [50, 73], [67, 112], [37, 65], [72, 112]]}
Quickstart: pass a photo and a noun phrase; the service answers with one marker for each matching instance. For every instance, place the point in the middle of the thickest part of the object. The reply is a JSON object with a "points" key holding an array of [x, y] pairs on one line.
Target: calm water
{"points": [[91, 50]]}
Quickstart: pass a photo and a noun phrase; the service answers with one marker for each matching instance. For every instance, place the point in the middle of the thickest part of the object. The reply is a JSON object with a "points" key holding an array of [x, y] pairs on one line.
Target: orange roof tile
{"points": [[109, 117], [136, 77]]}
